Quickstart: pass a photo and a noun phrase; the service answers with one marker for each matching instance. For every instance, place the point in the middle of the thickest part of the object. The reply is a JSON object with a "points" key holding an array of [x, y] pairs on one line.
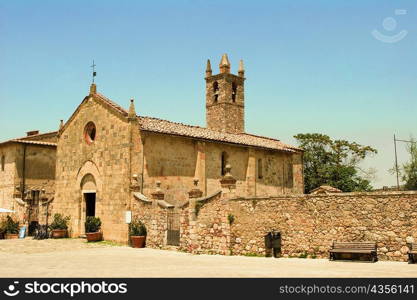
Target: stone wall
{"points": [[175, 161], [155, 219], [308, 223], [103, 166], [7, 176], [204, 226], [39, 175]]}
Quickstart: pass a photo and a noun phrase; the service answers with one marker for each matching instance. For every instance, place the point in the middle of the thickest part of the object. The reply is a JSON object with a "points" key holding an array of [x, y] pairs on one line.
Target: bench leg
{"points": [[374, 257], [410, 258]]}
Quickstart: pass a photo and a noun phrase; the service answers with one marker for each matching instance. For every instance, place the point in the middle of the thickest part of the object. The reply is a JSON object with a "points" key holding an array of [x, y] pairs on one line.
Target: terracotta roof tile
{"points": [[325, 189], [20, 141], [167, 127]]}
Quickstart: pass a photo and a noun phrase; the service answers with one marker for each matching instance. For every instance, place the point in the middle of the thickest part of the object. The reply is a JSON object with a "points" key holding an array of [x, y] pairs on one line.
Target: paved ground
{"points": [[76, 258]]}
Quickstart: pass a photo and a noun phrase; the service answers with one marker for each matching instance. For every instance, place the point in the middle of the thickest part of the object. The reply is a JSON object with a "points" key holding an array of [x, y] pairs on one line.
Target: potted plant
{"points": [[137, 232], [11, 228], [2, 229], [59, 226], [92, 229]]}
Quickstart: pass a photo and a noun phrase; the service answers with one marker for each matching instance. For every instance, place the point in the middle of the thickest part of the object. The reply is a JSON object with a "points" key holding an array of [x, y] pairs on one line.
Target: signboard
{"points": [[128, 217], [22, 232]]}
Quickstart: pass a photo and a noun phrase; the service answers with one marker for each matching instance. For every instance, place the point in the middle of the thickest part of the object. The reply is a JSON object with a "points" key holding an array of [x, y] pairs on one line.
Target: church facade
{"points": [[109, 160]]}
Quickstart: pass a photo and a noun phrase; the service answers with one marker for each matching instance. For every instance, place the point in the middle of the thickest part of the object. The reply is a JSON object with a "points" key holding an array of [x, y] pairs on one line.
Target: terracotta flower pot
{"points": [[10, 236], [138, 241], [59, 233], [94, 236]]}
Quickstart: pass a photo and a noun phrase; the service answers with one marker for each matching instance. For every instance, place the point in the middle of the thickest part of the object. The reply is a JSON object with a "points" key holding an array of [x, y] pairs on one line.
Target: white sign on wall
{"points": [[128, 217]]}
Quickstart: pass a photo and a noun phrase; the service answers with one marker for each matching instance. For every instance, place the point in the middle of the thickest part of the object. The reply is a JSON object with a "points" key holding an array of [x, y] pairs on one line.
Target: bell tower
{"points": [[225, 105]]}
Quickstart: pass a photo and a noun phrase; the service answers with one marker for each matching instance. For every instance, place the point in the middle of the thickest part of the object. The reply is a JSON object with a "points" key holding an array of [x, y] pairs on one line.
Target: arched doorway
{"points": [[89, 187], [88, 201]]}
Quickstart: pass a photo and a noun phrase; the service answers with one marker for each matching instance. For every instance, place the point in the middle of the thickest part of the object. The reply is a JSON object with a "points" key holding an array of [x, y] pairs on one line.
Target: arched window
{"points": [[260, 171], [3, 161], [90, 132], [234, 91], [225, 157], [216, 91]]}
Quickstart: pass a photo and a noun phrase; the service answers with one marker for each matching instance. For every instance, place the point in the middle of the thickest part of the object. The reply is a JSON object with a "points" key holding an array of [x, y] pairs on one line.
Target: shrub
{"points": [[59, 222], [2, 228], [92, 224], [231, 218], [137, 228], [11, 226]]}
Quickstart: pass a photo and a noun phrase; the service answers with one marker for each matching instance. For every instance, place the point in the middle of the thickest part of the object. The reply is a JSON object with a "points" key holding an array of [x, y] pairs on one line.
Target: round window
{"points": [[90, 132]]}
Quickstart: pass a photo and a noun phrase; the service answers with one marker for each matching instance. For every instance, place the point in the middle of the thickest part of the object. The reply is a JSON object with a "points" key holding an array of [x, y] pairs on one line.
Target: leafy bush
{"points": [[11, 226], [231, 218], [137, 228], [2, 227], [59, 222], [92, 224]]}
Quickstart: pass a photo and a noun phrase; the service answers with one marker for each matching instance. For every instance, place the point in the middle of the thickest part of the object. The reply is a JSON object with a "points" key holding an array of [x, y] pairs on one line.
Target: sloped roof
{"points": [[50, 137], [167, 127], [42, 139], [156, 125], [21, 141], [325, 189]]}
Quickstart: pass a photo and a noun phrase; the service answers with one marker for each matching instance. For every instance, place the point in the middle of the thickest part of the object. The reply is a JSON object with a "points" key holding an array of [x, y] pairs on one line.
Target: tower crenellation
{"points": [[225, 107]]}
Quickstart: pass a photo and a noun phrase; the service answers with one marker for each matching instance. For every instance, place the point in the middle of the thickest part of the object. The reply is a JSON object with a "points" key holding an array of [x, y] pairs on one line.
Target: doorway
{"points": [[173, 228], [90, 204]]}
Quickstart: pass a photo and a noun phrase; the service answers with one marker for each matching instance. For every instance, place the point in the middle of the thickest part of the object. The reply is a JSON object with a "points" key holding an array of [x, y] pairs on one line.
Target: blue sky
{"points": [[311, 66]]}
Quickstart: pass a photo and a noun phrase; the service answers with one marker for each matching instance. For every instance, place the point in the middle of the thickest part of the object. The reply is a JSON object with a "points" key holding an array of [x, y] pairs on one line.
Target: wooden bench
{"points": [[412, 253], [368, 248]]}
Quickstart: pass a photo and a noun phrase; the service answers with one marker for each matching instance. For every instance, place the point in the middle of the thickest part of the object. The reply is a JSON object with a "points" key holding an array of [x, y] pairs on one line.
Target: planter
{"points": [[10, 236], [137, 241], [94, 236], [59, 233]]}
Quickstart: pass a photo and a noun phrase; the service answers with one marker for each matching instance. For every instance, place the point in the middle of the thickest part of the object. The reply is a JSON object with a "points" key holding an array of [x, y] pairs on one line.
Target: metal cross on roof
{"points": [[94, 70]]}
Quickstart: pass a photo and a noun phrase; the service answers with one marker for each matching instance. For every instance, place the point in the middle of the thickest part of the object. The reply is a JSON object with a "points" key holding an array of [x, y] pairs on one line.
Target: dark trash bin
{"points": [[273, 242], [268, 241]]}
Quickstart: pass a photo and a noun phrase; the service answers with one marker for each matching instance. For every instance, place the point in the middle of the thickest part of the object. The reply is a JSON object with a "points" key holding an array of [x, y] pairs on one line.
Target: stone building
{"points": [[27, 175], [109, 158]]}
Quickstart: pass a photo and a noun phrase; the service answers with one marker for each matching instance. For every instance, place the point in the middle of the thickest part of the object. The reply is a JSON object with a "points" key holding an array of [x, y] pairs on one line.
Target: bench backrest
{"points": [[413, 246], [355, 245]]}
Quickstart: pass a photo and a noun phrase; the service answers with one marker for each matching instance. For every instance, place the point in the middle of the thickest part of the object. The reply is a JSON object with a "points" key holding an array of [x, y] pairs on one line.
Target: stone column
{"points": [[251, 174], [228, 183], [200, 170], [193, 195], [157, 195]]}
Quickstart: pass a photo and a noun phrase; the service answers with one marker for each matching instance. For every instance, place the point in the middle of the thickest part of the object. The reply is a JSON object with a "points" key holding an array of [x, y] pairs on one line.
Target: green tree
{"points": [[334, 162], [408, 170]]}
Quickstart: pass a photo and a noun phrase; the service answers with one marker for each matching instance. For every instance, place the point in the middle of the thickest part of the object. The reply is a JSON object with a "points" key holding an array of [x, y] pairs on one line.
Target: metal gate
{"points": [[173, 226]]}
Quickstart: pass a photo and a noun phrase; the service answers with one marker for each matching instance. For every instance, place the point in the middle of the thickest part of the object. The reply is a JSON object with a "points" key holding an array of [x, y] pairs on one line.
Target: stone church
{"points": [[108, 159]]}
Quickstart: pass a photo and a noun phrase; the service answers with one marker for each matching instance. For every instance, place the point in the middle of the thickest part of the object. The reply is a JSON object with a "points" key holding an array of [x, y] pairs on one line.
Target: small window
{"points": [[216, 91], [234, 91], [3, 161], [90, 132], [224, 163], [260, 167]]}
